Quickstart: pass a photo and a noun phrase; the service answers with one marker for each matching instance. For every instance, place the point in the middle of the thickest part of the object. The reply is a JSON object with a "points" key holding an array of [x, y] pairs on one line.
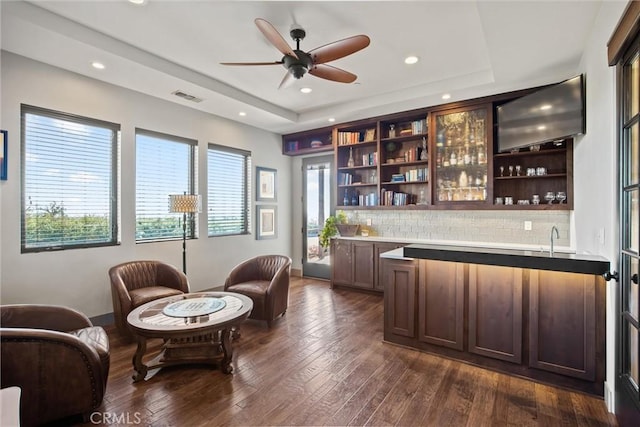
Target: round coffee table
{"points": [[195, 327]]}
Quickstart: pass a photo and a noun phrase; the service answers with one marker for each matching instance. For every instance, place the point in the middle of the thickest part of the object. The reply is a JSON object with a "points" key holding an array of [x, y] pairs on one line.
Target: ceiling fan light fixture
{"points": [[410, 60], [298, 70]]}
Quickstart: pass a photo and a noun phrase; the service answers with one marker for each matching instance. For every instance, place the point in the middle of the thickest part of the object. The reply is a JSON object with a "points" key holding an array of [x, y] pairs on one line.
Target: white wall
{"points": [[78, 278], [595, 167]]}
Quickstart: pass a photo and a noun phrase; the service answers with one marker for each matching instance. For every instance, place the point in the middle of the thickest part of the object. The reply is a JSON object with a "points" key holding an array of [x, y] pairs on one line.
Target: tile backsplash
{"points": [[500, 227]]}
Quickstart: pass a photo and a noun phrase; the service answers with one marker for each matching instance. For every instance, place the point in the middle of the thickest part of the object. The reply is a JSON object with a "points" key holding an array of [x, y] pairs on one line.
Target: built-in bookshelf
{"points": [[308, 142], [442, 157]]}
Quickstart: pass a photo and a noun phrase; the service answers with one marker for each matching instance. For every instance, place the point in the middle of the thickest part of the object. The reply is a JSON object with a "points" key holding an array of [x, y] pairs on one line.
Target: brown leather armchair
{"points": [[137, 282], [58, 359], [264, 279]]}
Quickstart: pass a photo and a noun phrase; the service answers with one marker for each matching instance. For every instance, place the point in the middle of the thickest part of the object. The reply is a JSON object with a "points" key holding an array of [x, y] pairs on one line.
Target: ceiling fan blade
{"points": [[274, 37], [287, 80], [339, 49], [332, 73], [252, 63]]}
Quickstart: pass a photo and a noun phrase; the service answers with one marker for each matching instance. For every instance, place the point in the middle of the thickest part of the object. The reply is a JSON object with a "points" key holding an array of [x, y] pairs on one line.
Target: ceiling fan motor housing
{"points": [[297, 67]]}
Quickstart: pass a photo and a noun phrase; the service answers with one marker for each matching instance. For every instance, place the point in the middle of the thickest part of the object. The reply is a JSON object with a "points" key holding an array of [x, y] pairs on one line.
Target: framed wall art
{"points": [[265, 184], [266, 220], [3, 154]]}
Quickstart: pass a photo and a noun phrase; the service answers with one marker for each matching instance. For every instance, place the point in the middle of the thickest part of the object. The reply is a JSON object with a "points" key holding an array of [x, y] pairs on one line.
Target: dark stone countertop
{"points": [[567, 262]]}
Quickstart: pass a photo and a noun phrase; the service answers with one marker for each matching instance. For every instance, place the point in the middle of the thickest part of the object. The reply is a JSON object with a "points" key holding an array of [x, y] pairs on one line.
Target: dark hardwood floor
{"points": [[324, 363]]}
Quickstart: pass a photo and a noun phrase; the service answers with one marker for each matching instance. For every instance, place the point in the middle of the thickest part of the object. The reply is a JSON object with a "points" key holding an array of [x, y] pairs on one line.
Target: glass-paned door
{"points": [[317, 206], [628, 349]]}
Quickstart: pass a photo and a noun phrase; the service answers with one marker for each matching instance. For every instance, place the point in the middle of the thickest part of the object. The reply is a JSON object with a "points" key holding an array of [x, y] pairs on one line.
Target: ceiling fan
{"points": [[298, 62]]}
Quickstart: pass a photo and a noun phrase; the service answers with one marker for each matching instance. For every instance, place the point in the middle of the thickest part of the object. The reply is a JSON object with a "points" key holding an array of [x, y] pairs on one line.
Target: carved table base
{"points": [[214, 348]]}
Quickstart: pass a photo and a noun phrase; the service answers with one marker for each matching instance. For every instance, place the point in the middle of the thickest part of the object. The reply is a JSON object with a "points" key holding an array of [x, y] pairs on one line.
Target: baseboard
{"points": [[216, 289], [609, 397], [296, 272], [103, 320]]}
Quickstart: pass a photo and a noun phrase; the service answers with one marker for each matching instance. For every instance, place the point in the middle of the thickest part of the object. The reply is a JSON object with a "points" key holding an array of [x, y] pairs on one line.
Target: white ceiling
{"points": [[466, 48]]}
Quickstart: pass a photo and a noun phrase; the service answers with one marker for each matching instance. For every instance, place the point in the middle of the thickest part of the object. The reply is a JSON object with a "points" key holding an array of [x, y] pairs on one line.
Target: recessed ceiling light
{"points": [[242, 113], [542, 127], [97, 65], [306, 90], [139, 2], [331, 119], [545, 107], [446, 96], [411, 60]]}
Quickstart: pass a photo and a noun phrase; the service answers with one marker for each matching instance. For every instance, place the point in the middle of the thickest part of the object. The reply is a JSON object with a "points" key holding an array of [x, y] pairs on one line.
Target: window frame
{"points": [[191, 232], [247, 187], [114, 214]]}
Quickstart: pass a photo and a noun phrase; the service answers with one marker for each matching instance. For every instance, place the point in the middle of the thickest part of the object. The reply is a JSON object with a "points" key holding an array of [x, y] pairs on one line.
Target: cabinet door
{"points": [[341, 271], [495, 312], [441, 303], [399, 278], [363, 271], [463, 155], [562, 323], [381, 248]]}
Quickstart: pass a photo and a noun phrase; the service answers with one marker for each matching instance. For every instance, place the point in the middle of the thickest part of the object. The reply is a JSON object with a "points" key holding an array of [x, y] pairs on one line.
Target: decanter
{"points": [[423, 154], [350, 162]]}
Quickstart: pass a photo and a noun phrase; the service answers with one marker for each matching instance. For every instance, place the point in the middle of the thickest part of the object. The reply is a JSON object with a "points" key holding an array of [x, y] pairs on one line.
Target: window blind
{"points": [[69, 174], [165, 165], [228, 190]]}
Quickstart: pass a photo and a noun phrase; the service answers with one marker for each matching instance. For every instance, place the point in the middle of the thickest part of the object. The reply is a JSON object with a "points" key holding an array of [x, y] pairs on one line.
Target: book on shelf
{"points": [[419, 126], [413, 175], [345, 179], [348, 138], [395, 198], [370, 199], [370, 159]]}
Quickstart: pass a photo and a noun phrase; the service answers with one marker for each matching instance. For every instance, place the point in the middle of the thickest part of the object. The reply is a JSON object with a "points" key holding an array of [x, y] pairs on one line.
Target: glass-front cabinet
{"points": [[463, 155]]}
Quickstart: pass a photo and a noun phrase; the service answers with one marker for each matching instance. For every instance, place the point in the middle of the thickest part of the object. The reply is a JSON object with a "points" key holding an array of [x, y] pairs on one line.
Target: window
{"points": [[69, 181], [228, 195], [165, 165]]}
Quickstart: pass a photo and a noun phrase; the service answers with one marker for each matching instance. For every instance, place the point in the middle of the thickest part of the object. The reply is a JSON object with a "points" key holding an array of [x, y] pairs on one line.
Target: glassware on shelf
{"points": [[423, 154], [392, 131], [561, 196], [518, 170], [350, 162], [501, 170], [535, 199], [510, 170], [550, 197]]}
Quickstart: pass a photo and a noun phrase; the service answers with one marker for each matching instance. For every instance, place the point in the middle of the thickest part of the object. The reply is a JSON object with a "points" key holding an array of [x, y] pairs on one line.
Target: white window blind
{"points": [[69, 181], [228, 190], [165, 165]]}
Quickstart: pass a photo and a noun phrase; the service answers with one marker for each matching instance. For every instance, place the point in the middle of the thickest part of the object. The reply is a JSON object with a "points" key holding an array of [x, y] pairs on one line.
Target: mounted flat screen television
{"points": [[554, 112]]}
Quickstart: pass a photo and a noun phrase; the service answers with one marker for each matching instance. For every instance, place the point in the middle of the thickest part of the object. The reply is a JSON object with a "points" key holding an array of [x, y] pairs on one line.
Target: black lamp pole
{"points": [[184, 242]]}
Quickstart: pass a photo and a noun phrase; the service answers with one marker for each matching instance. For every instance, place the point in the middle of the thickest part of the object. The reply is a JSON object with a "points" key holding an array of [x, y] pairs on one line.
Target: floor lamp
{"points": [[184, 204]]}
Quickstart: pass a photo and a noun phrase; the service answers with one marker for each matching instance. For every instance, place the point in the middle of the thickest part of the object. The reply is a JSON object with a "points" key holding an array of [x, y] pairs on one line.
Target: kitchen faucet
{"points": [[554, 228]]}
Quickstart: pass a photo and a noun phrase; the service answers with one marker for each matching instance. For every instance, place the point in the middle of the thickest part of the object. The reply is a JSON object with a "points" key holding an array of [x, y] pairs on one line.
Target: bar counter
{"points": [[539, 260]]}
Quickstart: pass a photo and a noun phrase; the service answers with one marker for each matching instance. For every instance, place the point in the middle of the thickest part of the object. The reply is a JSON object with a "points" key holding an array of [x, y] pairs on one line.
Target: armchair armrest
{"points": [[280, 279], [171, 277], [40, 316]]}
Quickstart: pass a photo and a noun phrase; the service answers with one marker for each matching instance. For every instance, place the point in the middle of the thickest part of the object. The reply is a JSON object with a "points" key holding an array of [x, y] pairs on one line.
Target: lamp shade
{"points": [[184, 203]]}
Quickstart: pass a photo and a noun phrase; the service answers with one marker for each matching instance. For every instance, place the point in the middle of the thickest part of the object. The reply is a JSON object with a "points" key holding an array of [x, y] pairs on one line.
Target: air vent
{"points": [[186, 96]]}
